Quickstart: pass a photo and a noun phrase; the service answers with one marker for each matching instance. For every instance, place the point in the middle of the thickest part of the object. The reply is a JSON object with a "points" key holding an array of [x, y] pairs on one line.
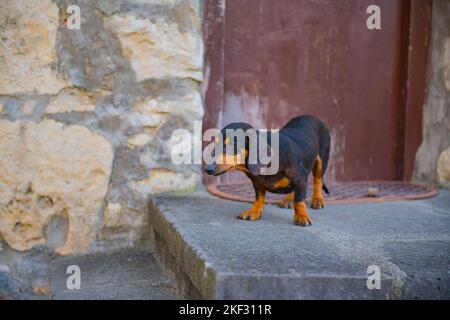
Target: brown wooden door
{"points": [[268, 61]]}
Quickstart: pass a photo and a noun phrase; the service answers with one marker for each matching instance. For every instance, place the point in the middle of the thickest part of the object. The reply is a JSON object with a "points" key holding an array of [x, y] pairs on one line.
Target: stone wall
{"points": [[433, 156], [86, 117]]}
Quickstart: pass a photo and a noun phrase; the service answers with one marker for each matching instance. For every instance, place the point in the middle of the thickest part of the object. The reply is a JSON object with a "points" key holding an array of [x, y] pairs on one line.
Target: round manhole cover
{"points": [[344, 192]]}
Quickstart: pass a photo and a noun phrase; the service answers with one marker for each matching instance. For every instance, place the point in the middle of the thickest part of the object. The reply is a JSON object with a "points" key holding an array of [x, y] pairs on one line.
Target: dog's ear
{"points": [[256, 167]]}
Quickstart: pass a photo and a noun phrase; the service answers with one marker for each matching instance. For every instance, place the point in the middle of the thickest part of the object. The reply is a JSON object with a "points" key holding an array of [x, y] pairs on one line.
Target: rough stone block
{"points": [[48, 169], [27, 49], [160, 47], [443, 167]]}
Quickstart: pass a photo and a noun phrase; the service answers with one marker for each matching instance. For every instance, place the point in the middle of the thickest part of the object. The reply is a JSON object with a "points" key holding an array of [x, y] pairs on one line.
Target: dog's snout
{"points": [[209, 169]]}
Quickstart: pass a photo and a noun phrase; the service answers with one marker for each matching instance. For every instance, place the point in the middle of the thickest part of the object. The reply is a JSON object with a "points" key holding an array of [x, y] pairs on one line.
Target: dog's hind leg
{"points": [[317, 201], [301, 217]]}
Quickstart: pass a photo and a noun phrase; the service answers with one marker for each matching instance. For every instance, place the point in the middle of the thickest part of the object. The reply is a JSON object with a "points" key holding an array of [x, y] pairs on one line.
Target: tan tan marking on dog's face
{"points": [[227, 162]]}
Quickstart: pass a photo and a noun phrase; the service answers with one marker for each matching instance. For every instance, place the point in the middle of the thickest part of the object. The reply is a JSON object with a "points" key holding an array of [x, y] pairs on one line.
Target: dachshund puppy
{"points": [[303, 147]]}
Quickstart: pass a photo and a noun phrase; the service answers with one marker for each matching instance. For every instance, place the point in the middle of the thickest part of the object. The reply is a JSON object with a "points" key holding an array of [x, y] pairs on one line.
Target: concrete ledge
{"points": [[194, 278], [215, 256]]}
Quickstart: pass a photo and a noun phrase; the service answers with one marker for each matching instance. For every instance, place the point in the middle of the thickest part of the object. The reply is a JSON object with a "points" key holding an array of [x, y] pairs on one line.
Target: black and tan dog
{"points": [[304, 146]]}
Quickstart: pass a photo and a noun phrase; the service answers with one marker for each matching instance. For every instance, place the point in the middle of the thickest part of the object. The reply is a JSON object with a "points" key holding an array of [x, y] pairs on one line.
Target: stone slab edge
{"points": [[196, 276]]}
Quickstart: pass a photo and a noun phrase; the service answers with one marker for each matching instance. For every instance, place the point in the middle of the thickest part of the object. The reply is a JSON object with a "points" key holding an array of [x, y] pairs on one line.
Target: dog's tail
{"points": [[325, 188]]}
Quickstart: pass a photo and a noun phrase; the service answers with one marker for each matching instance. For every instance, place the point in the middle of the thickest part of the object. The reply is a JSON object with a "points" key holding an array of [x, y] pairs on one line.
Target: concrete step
{"points": [[130, 274], [213, 255]]}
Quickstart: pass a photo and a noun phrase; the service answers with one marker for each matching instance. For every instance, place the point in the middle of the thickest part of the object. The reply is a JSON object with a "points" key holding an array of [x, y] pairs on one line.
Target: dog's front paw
{"points": [[250, 215], [317, 203], [302, 221]]}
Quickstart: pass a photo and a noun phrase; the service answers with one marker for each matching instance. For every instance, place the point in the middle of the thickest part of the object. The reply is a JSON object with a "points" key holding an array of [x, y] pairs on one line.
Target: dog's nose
{"points": [[209, 169]]}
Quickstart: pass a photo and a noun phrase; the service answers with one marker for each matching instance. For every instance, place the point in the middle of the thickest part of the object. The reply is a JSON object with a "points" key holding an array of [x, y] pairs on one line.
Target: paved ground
{"points": [[223, 257], [127, 274]]}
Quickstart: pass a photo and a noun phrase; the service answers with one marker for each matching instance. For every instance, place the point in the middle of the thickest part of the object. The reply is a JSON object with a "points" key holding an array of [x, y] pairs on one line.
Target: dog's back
{"points": [[309, 132]]}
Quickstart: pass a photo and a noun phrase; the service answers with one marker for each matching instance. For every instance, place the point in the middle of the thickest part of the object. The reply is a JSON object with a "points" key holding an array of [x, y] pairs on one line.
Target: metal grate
{"points": [[346, 192]]}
